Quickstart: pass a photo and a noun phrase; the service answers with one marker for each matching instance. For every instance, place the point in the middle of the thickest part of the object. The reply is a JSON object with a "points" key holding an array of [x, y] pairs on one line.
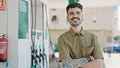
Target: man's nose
{"points": [[75, 15]]}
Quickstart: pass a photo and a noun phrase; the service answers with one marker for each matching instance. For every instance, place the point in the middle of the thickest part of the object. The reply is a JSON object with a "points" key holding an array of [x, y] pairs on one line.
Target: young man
{"points": [[78, 43]]}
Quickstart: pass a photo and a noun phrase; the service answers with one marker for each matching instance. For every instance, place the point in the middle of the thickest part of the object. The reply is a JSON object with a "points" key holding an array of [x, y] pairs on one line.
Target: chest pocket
{"points": [[88, 48]]}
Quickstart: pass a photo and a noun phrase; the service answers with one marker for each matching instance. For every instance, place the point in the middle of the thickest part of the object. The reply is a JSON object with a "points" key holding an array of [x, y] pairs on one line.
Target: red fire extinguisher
{"points": [[3, 48]]}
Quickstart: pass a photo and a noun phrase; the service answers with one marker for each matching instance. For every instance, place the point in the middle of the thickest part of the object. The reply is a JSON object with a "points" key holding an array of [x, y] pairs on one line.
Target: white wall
{"points": [[86, 3], [58, 3], [13, 33], [3, 22], [62, 21], [104, 18]]}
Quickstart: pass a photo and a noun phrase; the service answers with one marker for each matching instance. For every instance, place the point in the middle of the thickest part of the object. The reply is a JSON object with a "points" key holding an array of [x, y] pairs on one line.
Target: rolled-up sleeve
{"points": [[97, 52], [62, 49]]}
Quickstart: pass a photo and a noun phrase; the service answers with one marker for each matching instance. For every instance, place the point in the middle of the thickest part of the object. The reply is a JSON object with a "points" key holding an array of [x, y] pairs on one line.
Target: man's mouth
{"points": [[75, 18]]}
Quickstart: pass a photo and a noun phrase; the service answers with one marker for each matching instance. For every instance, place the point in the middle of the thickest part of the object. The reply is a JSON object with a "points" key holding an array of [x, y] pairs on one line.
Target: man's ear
{"points": [[66, 16], [82, 15]]}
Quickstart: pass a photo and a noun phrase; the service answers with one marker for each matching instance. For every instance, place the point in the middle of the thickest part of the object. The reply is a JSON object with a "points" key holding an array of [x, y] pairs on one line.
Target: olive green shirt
{"points": [[78, 45]]}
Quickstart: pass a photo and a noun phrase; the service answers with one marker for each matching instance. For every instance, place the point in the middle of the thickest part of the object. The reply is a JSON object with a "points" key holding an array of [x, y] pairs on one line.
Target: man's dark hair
{"points": [[74, 5]]}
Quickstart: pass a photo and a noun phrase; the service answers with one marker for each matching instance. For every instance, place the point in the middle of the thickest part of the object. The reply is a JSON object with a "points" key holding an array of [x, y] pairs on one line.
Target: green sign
{"points": [[73, 1], [23, 19]]}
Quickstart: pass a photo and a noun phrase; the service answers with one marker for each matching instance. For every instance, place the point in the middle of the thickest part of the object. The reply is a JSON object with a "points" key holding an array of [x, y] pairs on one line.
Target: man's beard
{"points": [[75, 24]]}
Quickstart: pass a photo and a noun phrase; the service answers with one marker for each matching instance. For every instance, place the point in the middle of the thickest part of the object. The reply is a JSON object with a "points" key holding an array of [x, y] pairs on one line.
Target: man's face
{"points": [[74, 16]]}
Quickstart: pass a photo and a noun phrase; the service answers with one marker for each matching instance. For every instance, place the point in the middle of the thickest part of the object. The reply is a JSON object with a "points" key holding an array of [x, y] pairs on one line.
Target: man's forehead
{"points": [[74, 9]]}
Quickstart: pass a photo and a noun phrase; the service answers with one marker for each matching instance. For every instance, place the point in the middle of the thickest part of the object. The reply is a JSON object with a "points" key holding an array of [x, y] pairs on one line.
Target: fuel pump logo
{"points": [[2, 4]]}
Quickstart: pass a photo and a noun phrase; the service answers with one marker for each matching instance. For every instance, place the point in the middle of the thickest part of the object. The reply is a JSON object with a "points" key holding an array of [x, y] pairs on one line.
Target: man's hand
{"points": [[89, 58], [98, 63]]}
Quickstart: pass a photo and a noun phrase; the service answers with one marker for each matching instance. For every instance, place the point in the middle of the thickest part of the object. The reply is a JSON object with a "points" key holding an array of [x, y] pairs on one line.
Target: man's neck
{"points": [[77, 29]]}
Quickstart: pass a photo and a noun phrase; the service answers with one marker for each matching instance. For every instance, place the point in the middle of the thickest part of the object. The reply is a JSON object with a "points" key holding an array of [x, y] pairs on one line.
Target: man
{"points": [[78, 43]]}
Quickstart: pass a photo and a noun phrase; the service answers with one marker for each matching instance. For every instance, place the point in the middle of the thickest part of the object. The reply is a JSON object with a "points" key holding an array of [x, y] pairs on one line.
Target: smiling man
{"points": [[78, 43]]}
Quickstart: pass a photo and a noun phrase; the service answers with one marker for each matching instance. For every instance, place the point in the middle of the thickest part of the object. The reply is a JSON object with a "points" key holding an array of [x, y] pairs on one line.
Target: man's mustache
{"points": [[75, 18]]}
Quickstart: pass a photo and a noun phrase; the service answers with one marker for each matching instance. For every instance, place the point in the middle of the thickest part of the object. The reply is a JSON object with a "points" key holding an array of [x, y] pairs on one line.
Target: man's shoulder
{"points": [[89, 33], [64, 34]]}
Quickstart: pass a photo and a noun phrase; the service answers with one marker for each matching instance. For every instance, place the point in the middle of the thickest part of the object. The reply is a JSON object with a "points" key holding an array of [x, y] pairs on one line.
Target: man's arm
{"points": [[98, 56], [63, 50], [78, 62], [98, 63]]}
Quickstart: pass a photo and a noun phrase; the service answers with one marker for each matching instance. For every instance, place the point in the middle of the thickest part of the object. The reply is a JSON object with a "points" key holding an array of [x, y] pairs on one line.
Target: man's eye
{"points": [[71, 13], [77, 12]]}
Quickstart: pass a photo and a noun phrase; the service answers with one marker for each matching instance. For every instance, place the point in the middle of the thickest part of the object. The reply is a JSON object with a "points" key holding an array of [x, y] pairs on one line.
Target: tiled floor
{"points": [[110, 62], [113, 61]]}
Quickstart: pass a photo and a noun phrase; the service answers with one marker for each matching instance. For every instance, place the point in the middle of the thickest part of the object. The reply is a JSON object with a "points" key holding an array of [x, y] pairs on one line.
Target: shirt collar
{"points": [[81, 32]]}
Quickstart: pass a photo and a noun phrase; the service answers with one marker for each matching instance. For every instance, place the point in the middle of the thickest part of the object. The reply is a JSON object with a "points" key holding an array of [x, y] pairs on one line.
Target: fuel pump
{"points": [[38, 55], [35, 57]]}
